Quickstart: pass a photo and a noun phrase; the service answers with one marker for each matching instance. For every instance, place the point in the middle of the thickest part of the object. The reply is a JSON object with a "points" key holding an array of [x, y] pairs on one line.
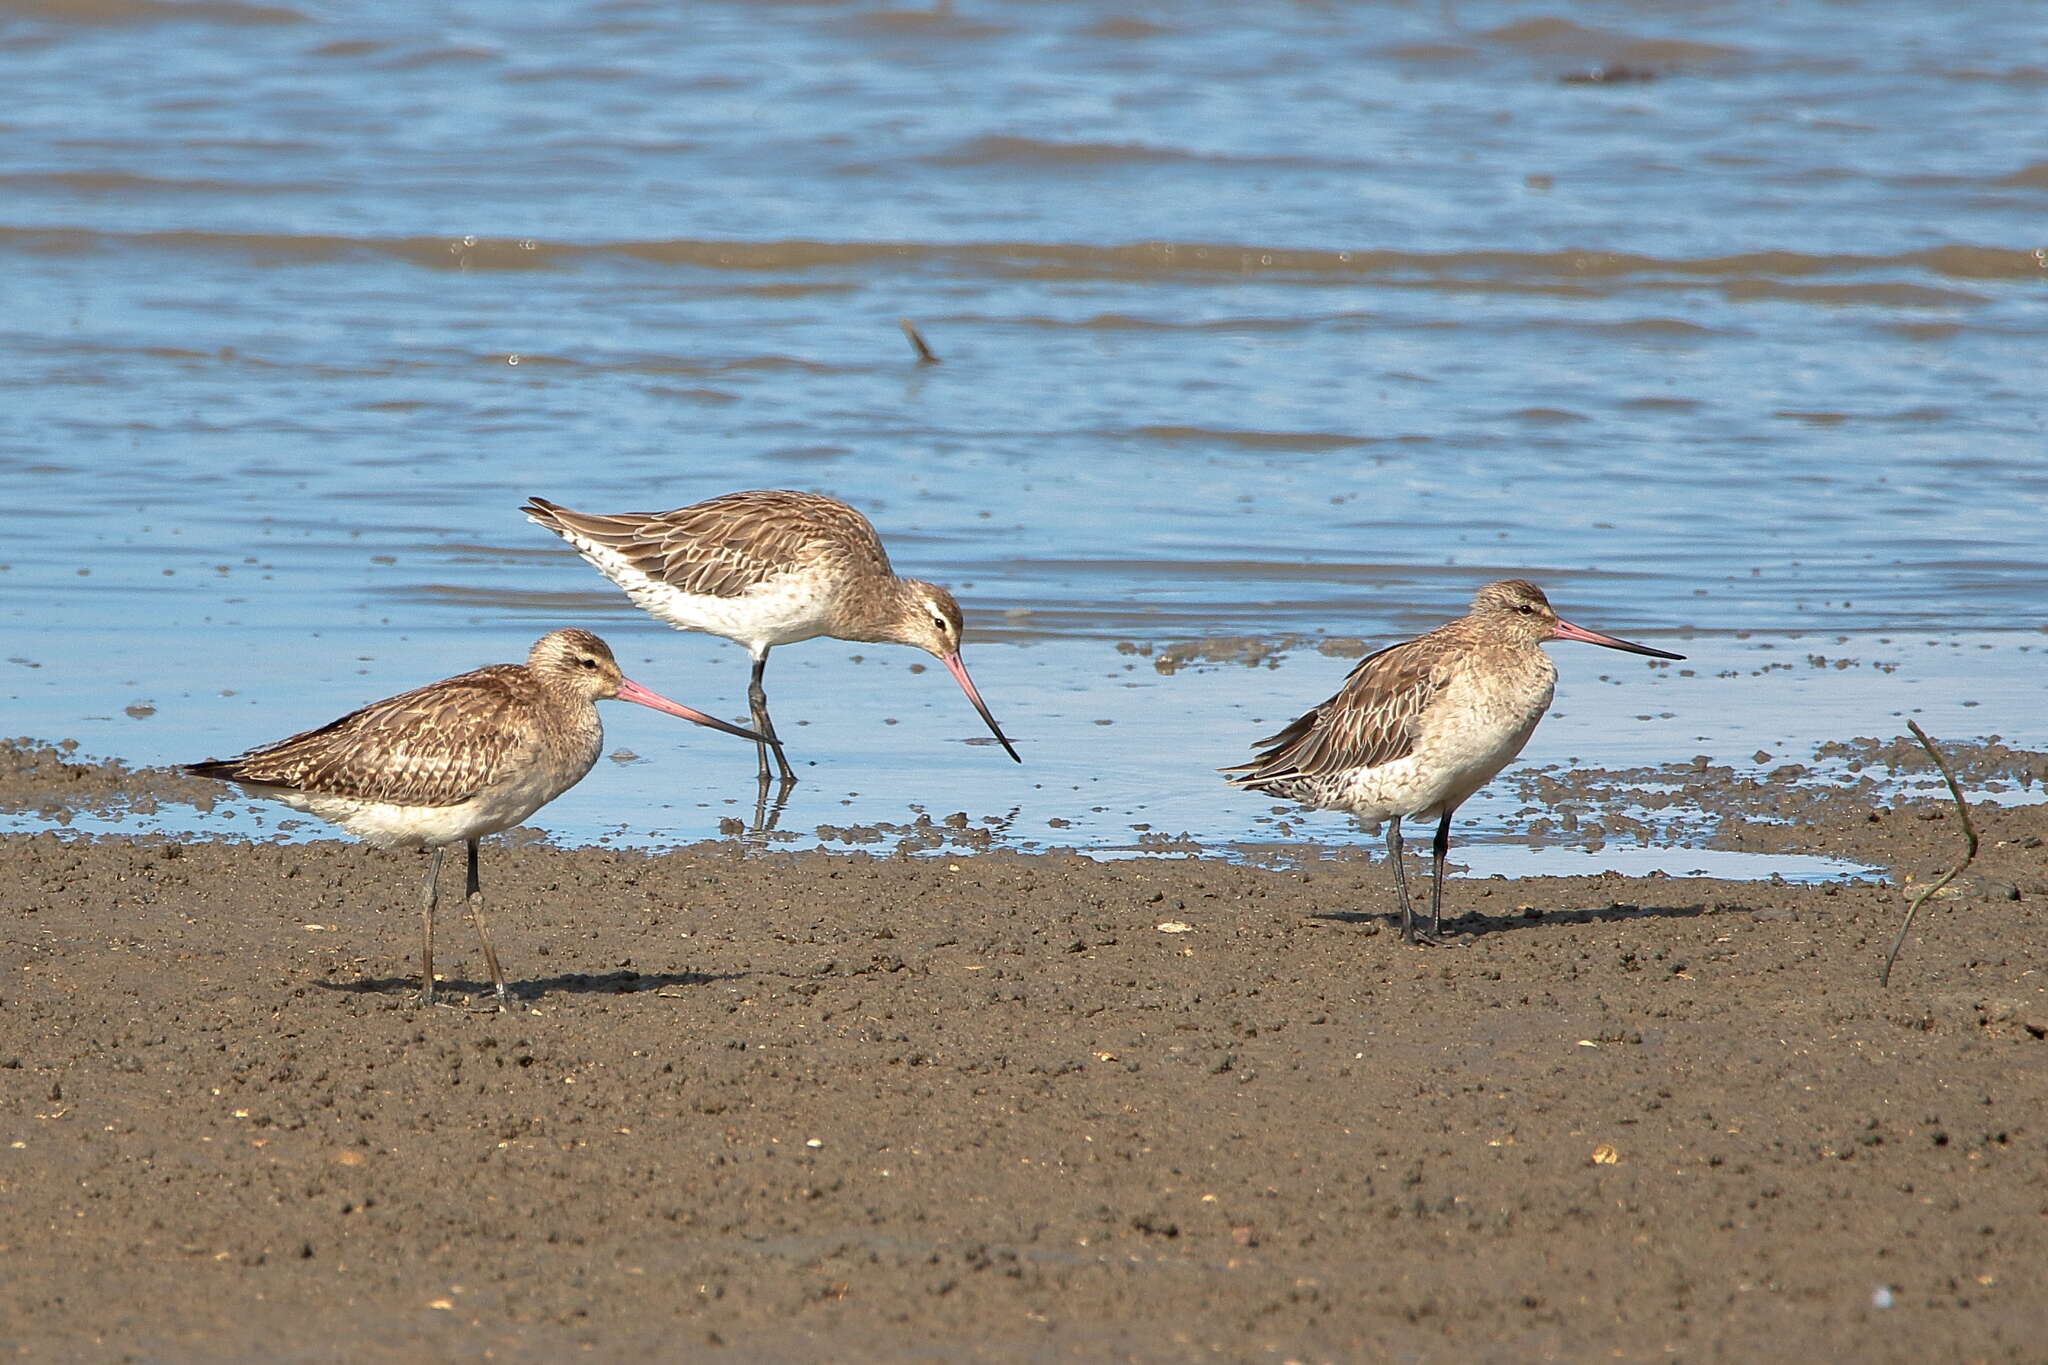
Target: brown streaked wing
{"points": [[1369, 722], [435, 746], [725, 546]]}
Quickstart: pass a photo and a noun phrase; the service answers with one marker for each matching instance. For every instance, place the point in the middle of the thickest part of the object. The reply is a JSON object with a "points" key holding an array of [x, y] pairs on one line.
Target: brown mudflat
{"points": [[1650, 1119]]}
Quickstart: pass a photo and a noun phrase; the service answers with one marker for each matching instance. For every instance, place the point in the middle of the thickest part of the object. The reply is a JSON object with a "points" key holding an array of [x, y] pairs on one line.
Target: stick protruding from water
{"points": [[1884, 978], [925, 354]]}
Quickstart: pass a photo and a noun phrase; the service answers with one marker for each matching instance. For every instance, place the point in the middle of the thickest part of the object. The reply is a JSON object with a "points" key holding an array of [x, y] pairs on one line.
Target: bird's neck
{"points": [[871, 612]]}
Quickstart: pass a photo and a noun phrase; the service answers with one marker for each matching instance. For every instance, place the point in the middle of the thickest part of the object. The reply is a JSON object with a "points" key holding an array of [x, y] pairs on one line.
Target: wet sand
{"points": [[1005, 1107]]}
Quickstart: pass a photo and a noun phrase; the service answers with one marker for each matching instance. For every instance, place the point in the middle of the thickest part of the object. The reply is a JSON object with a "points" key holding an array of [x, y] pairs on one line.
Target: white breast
{"points": [[1469, 733]]}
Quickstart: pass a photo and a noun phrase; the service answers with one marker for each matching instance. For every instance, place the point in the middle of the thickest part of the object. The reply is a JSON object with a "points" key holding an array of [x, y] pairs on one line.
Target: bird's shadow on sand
{"points": [[1474, 926], [572, 983]]}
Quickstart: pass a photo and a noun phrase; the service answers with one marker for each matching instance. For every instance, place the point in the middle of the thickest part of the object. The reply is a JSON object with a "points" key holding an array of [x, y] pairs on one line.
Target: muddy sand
{"points": [[795, 1107]]}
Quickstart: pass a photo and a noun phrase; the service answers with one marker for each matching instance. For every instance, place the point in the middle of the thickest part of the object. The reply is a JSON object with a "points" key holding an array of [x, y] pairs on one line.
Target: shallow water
{"points": [[1300, 321]]}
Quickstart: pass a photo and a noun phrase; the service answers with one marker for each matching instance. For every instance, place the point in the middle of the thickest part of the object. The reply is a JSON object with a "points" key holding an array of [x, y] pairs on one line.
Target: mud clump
{"points": [[50, 781], [1877, 802], [1248, 651], [1988, 765]]}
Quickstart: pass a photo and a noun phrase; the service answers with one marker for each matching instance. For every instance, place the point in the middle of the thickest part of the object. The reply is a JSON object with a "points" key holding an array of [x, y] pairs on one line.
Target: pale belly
{"points": [[1428, 782], [1467, 738], [780, 611], [387, 825]]}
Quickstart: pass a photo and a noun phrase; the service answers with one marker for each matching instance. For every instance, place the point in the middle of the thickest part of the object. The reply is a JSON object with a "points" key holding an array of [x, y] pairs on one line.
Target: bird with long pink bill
{"points": [[1420, 726], [454, 761], [769, 567]]}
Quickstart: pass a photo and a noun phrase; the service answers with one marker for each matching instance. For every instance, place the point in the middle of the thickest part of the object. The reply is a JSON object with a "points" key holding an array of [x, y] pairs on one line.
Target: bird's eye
{"points": [[1525, 608], [587, 661]]}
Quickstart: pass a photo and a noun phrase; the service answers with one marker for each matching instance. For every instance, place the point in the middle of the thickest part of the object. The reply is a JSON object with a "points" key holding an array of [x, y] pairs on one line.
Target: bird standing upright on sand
{"points": [[454, 761], [1420, 726], [764, 568]]}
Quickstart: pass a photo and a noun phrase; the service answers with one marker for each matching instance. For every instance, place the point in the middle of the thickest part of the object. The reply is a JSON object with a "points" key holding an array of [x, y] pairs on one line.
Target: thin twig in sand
{"points": [[925, 354], [1969, 850]]}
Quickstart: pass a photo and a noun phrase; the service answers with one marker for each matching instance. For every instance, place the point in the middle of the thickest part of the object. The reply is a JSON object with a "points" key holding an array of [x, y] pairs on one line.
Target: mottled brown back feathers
{"points": [[434, 746], [727, 545]]}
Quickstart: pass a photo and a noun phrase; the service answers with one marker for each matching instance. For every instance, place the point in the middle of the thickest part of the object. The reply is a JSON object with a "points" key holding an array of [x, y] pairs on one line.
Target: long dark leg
{"points": [[1436, 886], [475, 892], [427, 929], [1400, 877], [757, 697]]}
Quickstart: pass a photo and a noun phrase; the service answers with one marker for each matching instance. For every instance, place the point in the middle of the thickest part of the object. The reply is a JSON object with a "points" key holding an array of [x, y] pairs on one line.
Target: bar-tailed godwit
{"points": [[1421, 725], [764, 568], [454, 761]]}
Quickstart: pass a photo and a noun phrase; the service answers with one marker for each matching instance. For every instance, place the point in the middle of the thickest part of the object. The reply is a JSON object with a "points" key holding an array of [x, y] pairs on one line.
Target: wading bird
{"points": [[1420, 726], [765, 568], [454, 761]]}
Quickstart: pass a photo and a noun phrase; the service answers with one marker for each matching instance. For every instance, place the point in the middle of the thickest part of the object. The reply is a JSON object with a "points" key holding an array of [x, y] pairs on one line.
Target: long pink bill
{"points": [[1565, 630], [634, 692], [959, 672]]}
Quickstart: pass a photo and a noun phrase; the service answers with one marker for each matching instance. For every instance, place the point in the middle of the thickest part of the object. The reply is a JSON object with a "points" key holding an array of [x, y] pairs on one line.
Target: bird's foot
{"points": [[499, 1001]]}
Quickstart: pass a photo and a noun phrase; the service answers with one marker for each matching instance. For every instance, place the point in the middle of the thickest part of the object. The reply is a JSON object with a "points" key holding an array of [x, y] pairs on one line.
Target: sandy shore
{"points": [[832, 1107]]}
